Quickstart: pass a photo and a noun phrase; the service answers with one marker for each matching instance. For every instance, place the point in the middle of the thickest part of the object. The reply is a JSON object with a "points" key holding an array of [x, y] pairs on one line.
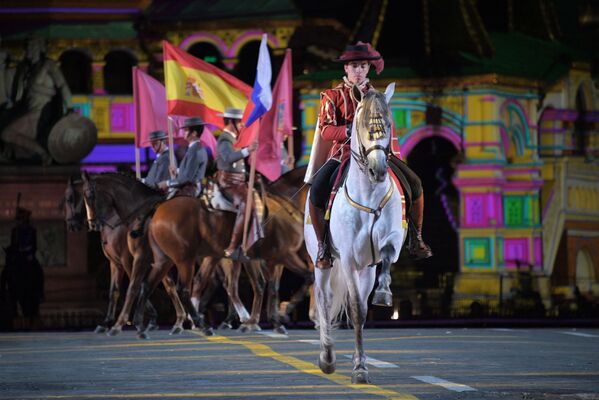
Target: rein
{"points": [[91, 193]]}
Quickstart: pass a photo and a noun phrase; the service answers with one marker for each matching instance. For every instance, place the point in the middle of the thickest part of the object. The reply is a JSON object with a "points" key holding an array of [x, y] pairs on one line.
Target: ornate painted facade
{"points": [[524, 183]]}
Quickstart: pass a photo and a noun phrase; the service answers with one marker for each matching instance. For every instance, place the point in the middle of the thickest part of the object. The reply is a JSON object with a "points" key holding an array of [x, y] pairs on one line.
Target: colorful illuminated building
{"points": [[496, 108]]}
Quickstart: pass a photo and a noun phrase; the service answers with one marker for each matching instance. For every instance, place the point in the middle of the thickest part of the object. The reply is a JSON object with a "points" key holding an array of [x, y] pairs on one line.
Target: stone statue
{"points": [[38, 99]]}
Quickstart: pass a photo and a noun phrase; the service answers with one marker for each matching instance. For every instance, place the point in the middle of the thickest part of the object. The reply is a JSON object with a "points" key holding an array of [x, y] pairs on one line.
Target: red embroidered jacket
{"points": [[337, 108]]}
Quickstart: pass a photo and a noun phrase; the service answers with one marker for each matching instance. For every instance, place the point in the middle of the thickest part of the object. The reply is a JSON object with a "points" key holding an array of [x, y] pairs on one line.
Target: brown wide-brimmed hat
{"points": [[363, 52]]}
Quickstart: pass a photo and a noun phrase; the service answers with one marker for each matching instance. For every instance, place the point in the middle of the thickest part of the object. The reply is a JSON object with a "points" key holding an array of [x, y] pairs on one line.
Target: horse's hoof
{"points": [[326, 367], [101, 329], [360, 377], [140, 328], [382, 298], [245, 328], [143, 335], [153, 326], [114, 331], [281, 329], [208, 331], [177, 330], [225, 326]]}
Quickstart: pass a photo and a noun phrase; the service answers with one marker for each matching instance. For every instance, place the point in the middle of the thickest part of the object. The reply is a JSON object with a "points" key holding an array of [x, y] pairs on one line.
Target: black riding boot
{"points": [[323, 258], [418, 249]]}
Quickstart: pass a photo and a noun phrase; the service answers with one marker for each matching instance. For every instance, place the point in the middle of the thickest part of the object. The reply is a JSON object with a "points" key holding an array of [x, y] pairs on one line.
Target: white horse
{"points": [[366, 230]]}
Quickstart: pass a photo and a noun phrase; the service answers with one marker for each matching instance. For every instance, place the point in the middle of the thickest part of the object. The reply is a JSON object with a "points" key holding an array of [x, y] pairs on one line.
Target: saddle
{"points": [[396, 175], [215, 198]]}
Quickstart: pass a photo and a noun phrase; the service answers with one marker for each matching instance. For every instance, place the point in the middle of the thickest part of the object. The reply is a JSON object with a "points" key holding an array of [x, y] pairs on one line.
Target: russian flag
{"points": [[261, 94]]}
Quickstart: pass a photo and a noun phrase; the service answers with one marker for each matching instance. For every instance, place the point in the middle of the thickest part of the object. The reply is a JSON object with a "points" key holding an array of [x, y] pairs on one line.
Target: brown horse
{"points": [[120, 249], [183, 229], [290, 188]]}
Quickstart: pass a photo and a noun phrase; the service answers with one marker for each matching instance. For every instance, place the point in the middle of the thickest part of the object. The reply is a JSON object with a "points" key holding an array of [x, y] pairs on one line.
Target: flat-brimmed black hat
{"points": [[157, 135], [193, 121]]}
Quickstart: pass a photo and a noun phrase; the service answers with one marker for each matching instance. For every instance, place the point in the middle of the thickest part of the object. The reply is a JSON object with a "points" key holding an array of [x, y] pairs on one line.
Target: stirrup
{"points": [[237, 255], [419, 250], [323, 257]]}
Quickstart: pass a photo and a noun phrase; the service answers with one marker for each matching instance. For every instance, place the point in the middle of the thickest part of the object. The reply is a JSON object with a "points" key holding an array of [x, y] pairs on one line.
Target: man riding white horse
{"points": [[337, 110]]}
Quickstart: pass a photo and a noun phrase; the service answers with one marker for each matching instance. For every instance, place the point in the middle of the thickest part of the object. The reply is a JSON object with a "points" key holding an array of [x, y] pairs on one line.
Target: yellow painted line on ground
{"points": [[107, 346], [262, 350], [237, 395]]}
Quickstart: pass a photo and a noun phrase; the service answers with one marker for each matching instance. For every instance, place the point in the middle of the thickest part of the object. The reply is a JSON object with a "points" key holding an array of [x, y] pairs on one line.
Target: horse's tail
{"points": [[339, 295]]}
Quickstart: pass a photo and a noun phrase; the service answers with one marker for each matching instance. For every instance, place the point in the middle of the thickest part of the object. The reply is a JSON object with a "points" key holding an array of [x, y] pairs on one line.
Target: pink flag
{"points": [[149, 98], [276, 124]]}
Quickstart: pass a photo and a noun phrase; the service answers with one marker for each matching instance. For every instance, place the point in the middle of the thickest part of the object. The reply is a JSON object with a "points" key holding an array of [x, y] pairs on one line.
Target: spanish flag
{"points": [[197, 88]]}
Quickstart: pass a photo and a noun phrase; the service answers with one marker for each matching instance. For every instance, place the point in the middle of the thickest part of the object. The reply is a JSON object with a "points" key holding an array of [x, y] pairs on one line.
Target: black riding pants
{"points": [[323, 182], [411, 177]]}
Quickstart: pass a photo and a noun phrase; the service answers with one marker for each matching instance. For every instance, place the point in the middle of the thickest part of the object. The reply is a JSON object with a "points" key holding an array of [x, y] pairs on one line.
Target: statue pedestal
{"points": [[70, 289]]}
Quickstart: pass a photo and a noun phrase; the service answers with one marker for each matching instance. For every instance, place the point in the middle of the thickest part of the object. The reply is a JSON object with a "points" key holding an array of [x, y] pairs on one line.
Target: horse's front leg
{"points": [[360, 285], [116, 277], [254, 271], [322, 291], [382, 295], [140, 266], [301, 268], [275, 271]]}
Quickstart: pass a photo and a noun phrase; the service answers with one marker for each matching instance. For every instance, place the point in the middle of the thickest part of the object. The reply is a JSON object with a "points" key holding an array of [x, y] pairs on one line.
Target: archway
{"points": [[434, 159], [585, 271], [207, 52], [248, 59], [76, 66], [118, 78]]}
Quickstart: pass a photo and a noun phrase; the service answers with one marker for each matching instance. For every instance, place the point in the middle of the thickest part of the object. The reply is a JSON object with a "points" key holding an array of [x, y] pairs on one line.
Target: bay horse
{"points": [[119, 248], [291, 186], [366, 230], [183, 229], [290, 190], [129, 199]]}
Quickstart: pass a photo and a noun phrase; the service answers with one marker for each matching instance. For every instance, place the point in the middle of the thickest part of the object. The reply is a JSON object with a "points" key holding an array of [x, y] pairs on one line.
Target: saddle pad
{"points": [[341, 180]]}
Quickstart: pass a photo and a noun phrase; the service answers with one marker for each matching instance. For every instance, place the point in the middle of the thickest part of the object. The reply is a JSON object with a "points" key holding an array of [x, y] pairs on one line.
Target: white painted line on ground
{"points": [[503, 329], [273, 334], [579, 334], [375, 363], [310, 341], [456, 387]]}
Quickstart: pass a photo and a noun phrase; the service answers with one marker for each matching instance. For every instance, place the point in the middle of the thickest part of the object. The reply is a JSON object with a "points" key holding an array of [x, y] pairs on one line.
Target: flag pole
{"points": [[250, 195], [171, 147], [137, 163], [137, 141], [290, 150]]}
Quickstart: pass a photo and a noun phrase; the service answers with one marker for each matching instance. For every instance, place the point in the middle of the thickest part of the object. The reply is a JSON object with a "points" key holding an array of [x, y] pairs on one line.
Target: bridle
{"points": [[376, 131], [89, 196], [72, 208]]}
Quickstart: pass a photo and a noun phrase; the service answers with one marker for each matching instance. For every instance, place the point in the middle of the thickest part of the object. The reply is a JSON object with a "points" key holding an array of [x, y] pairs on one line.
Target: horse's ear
{"points": [[84, 176], [357, 92], [389, 91]]}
